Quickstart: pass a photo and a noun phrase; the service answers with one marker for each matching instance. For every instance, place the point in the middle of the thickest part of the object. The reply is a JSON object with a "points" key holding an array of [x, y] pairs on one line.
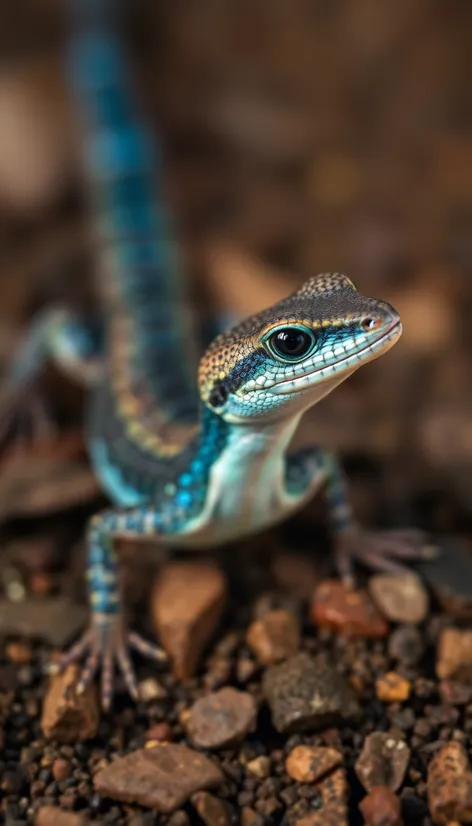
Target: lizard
{"points": [[192, 453]]}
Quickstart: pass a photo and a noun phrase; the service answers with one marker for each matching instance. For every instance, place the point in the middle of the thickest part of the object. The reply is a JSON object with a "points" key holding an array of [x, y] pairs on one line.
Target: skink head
{"points": [[285, 359]]}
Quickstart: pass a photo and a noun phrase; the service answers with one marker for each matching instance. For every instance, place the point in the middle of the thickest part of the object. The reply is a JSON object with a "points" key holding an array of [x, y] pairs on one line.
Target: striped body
{"points": [[195, 457]]}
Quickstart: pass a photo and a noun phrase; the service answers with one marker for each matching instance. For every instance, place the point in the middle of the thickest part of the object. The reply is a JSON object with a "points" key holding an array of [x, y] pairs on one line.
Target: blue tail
{"points": [[142, 277]]}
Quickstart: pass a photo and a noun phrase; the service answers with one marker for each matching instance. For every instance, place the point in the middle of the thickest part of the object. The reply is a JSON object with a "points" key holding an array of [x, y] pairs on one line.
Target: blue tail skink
{"points": [[196, 455]]}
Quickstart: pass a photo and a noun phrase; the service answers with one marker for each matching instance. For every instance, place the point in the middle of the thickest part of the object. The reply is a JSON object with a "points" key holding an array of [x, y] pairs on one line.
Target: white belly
{"points": [[246, 491]]}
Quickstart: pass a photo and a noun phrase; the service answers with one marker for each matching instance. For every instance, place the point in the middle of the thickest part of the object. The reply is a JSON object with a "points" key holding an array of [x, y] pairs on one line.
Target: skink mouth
{"points": [[351, 361]]}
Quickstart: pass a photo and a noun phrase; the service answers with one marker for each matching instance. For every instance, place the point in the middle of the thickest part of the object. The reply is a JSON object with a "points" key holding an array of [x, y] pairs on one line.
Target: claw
{"points": [[146, 648], [380, 551], [102, 646]]}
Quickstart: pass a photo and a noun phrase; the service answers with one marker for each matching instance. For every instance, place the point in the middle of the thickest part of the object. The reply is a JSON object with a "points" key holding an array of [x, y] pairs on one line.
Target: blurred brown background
{"points": [[312, 135]]}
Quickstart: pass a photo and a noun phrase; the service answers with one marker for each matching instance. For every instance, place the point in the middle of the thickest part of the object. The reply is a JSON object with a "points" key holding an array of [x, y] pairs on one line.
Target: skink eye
{"points": [[370, 324], [291, 344]]}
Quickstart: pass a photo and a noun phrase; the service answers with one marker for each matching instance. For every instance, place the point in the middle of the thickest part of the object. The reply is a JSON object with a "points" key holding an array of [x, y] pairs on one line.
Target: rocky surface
{"points": [[334, 135]]}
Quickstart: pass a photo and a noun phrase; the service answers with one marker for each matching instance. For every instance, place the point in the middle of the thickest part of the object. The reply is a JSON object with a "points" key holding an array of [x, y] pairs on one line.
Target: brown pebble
{"points": [[54, 816], [274, 637], [61, 769], [260, 767], [306, 693], [161, 732], [454, 655], [307, 764], [186, 604], [400, 597], [449, 785], [383, 761], [67, 716], [334, 793], [211, 810], [347, 611], [250, 818], [221, 718], [150, 689], [381, 808], [162, 778], [392, 688], [18, 652]]}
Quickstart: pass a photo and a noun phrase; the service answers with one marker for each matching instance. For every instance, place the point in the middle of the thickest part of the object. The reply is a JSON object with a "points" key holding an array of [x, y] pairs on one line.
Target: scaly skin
{"points": [[197, 463]]}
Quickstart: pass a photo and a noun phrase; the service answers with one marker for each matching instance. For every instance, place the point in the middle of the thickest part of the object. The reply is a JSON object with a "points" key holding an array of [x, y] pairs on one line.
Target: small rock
{"points": [[346, 611], [449, 785], [274, 637], [405, 644], [221, 719], [392, 688], [400, 597], [150, 689], [54, 816], [250, 818], [161, 778], [307, 764], [381, 808], [55, 619], [260, 767], [454, 655], [383, 761], [61, 769], [187, 603], [334, 793], [67, 716], [306, 694], [211, 810]]}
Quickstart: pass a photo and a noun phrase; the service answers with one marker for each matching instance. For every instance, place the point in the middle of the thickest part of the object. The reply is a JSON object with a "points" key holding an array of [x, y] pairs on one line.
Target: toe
{"points": [[127, 671], [90, 669], [73, 655], [107, 679], [146, 648]]}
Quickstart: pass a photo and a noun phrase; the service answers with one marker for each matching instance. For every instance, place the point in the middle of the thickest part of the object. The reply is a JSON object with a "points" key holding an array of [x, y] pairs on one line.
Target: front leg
{"points": [[107, 639], [312, 469]]}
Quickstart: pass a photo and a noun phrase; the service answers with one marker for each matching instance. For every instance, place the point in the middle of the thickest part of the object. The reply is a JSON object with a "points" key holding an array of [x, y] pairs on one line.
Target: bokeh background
{"points": [[300, 136]]}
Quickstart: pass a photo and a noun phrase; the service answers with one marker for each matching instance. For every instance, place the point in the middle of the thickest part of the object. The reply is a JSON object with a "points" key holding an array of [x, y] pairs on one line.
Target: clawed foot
{"points": [[385, 551], [24, 416], [102, 646]]}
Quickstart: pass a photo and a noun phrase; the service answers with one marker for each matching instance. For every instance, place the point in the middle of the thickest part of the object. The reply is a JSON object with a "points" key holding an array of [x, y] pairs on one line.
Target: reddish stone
{"points": [[381, 808], [347, 611]]}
